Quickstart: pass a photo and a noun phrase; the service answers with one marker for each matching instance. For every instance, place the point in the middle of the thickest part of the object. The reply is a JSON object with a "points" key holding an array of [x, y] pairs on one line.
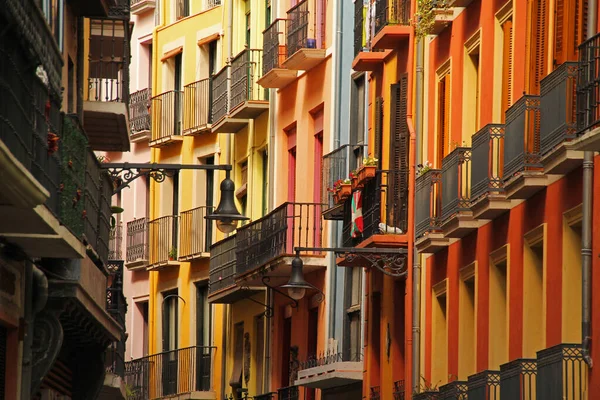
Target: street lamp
{"points": [[297, 286], [226, 214]]}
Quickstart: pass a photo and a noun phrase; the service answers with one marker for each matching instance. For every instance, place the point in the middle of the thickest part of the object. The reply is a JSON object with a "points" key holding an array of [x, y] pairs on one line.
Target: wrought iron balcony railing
{"points": [[588, 85], [167, 114], [374, 393], [116, 303], [195, 232], [163, 240], [108, 60], [427, 395], [522, 137], [562, 373], [337, 165], [139, 111], [246, 69], [391, 12], [114, 358], [518, 379], [360, 28], [220, 95], [298, 27], [456, 390], [277, 234], [222, 264], [197, 105], [487, 156], [456, 182], [115, 242], [288, 393], [137, 241], [384, 207], [484, 385], [329, 358], [265, 396], [399, 390], [170, 373], [428, 202], [274, 49], [558, 107]]}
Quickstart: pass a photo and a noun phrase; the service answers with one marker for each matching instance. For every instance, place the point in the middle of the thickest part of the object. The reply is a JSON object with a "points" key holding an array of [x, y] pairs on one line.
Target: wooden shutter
{"points": [[570, 29], [507, 66], [378, 127], [397, 194], [538, 44], [443, 117]]}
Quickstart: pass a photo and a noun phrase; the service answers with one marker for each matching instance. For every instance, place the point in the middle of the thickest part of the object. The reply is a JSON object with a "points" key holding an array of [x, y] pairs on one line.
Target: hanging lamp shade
{"points": [[226, 214]]}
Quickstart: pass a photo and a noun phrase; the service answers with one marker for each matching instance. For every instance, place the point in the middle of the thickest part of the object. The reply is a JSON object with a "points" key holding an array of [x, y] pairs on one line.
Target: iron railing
{"points": [[167, 114], [116, 303], [170, 373], [220, 95], [73, 158], [588, 85], [328, 358], [558, 107], [456, 390], [359, 27], [337, 165], [288, 393], [297, 28], [384, 207], [96, 206], [485, 385], [222, 265], [391, 12], [137, 241], [399, 390], [562, 373], [114, 359], [374, 393], [212, 3], [456, 182], [487, 157], [265, 396], [246, 69], [106, 192], [108, 60], [518, 379], [163, 239], [115, 242], [139, 111], [273, 46], [428, 202], [197, 103], [522, 137], [277, 234], [195, 232], [428, 395]]}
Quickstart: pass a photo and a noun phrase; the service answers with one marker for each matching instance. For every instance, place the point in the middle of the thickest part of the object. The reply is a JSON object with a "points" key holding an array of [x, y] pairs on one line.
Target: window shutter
{"points": [[559, 28], [443, 117], [507, 67], [581, 14], [378, 127], [397, 195], [538, 39]]}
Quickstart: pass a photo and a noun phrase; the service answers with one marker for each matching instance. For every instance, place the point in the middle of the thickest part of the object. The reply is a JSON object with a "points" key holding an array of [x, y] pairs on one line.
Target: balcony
{"points": [[288, 393], [305, 26], [141, 6], [428, 204], [375, 393], [232, 108], [384, 211], [488, 198], [427, 395], [588, 106], [457, 219], [115, 241], [335, 166], [364, 59], [137, 244], [456, 390], [167, 118], [197, 103], [265, 247], [139, 115], [392, 24], [445, 12], [562, 373], [330, 371], [274, 75], [523, 173], [485, 385], [105, 106], [195, 234], [182, 373], [518, 379], [558, 125], [399, 390], [163, 243], [116, 303], [114, 363]]}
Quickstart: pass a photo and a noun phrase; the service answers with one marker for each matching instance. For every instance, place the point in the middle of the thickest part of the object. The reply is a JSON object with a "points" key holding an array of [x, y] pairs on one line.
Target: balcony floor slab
{"points": [[233, 294], [162, 265], [460, 225], [137, 265], [278, 78], [369, 60], [589, 141], [432, 242], [106, 125], [562, 160], [192, 257], [490, 206], [331, 375], [198, 130], [390, 36], [166, 140], [335, 213], [142, 6], [229, 125], [140, 136], [280, 269], [249, 109], [525, 185], [443, 18], [304, 59]]}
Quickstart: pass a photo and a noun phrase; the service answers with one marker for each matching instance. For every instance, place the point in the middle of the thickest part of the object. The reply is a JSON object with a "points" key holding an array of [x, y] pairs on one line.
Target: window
{"points": [[212, 58], [571, 275], [286, 341], [471, 87], [498, 307], [507, 66], [259, 355], [267, 13], [142, 308], [242, 192], [265, 181], [534, 260], [203, 338], [54, 12], [443, 113], [178, 86], [291, 143], [183, 8], [238, 358], [209, 196], [466, 326], [537, 44], [248, 22], [439, 335], [570, 25], [352, 336], [357, 117], [170, 320], [70, 86]]}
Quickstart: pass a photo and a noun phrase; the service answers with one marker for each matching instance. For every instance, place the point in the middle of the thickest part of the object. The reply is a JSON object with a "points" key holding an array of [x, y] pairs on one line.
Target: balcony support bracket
{"points": [[269, 311]]}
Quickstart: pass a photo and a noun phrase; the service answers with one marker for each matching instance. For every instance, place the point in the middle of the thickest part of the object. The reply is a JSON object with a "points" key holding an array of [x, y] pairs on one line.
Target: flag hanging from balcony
{"points": [[357, 217]]}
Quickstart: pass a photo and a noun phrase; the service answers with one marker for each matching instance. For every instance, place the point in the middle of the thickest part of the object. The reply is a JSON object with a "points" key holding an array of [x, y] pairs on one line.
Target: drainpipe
{"points": [[586, 234], [416, 276]]}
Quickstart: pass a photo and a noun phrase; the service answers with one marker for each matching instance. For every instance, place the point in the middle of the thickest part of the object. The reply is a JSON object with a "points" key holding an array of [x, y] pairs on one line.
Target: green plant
{"points": [[130, 393], [425, 16], [173, 253], [422, 168], [427, 386], [370, 161]]}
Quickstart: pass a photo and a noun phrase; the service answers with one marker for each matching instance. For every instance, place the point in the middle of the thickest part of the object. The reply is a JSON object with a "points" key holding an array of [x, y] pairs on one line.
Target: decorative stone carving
{"points": [[47, 342]]}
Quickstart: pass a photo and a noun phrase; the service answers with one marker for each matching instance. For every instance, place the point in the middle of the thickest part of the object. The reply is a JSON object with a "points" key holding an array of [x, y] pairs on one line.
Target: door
{"points": [[285, 352], [170, 342], [178, 93], [203, 339], [313, 331], [210, 189]]}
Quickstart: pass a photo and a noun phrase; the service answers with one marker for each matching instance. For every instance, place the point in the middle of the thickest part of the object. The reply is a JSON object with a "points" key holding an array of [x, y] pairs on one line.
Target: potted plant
{"points": [[422, 168], [356, 184], [342, 188], [173, 253], [367, 170]]}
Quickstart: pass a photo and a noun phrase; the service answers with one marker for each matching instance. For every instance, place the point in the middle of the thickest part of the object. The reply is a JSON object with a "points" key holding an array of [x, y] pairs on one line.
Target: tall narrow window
{"points": [[238, 358], [570, 26], [353, 295], [212, 58], [378, 128], [375, 335], [507, 66], [571, 278], [170, 342], [248, 21], [537, 44], [443, 118], [242, 192], [267, 13], [210, 190], [286, 341], [439, 334], [498, 307], [291, 142], [143, 314], [311, 347], [203, 339], [466, 326], [259, 323], [396, 206], [317, 118], [471, 85], [178, 86], [175, 211], [534, 327], [357, 118], [149, 61], [265, 182]]}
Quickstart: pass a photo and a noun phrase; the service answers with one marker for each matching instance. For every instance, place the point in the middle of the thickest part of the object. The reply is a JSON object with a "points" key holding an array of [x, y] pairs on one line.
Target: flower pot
{"points": [[356, 183], [365, 173], [345, 191]]}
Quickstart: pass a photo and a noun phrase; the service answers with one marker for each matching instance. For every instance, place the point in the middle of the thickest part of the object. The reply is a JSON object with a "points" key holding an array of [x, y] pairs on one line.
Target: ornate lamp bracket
{"points": [[266, 280]]}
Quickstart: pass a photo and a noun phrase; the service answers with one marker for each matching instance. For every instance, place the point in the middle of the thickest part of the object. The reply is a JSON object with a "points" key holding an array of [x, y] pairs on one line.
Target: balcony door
{"points": [[203, 339], [178, 106], [397, 179], [170, 342], [286, 344]]}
